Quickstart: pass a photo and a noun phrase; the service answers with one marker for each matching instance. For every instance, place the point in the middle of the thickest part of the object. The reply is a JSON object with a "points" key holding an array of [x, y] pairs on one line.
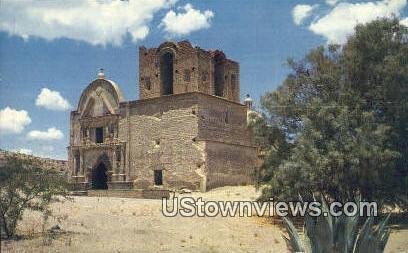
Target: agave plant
{"points": [[329, 234]]}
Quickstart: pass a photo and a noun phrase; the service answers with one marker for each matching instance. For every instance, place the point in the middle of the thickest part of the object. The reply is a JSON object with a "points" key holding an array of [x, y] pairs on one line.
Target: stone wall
{"points": [[199, 141], [46, 163], [161, 135], [231, 157], [194, 69], [229, 164], [223, 121]]}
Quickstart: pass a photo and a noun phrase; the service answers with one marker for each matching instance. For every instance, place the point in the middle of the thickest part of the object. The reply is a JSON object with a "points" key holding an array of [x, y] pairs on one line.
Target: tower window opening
{"points": [[219, 76], [166, 73]]}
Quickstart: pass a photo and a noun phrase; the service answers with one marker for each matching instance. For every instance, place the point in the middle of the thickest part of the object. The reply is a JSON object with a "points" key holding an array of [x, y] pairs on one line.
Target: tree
{"points": [[344, 111], [271, 140], [25, 185]]}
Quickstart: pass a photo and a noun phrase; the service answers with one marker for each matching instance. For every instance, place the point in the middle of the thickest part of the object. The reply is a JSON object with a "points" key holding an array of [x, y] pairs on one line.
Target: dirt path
{"points": [[138, 225]]}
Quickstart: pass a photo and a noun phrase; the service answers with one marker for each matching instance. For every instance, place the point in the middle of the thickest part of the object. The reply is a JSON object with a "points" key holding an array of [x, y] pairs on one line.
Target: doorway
{"points": [[99, 177]]}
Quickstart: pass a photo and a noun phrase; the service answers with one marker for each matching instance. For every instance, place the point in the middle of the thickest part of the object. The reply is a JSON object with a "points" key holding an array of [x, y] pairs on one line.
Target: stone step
{"points": [[144, 194]]}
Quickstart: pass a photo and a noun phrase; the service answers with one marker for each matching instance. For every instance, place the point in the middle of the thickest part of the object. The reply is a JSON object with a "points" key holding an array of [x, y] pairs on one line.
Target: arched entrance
{"points": [[100, 177]]}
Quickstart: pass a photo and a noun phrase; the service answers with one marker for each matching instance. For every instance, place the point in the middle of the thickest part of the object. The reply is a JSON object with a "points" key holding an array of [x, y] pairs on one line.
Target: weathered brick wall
{"points": [[193, 70], [231, 87], [224, 121], [229, 164], [187, 136], [149, 73], [231, 157], [75, 130], [185, 69], [206, 72], [161, 134]]}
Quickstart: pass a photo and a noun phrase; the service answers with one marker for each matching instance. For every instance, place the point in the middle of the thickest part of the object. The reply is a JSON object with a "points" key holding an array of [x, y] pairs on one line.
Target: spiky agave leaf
{"points": [[372, 240], [346, 231], [294, 240], [382, 233], [319, 230], [327, 233]]}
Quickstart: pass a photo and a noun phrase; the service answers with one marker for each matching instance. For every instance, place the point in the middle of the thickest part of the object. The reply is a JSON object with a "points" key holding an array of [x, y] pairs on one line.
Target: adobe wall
{"points": [[231, 157], [185, 69], [161, 134], [75, 129], [193, 70], [200, 142], [229, 164], [223, 121]]}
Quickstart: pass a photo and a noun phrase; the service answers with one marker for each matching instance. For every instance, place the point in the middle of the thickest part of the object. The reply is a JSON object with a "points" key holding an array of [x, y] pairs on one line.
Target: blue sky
{"points": [[51, 50]]}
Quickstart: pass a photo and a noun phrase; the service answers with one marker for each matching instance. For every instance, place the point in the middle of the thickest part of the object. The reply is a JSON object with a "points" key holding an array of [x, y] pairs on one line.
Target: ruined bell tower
{"points": [[175, 68]]}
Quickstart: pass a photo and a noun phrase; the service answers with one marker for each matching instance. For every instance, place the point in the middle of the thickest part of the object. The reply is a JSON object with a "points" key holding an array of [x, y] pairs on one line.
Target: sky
{"points": [[50, 50]]}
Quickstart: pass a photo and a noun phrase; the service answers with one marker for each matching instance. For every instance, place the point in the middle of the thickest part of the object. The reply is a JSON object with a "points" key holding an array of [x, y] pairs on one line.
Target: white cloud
{"points": [[302, 11], [187, 21], [341, 20], [98, 22], [13, 121], [51, 134], [52, 100], [404, 22], [25, 151], [331, 2]]}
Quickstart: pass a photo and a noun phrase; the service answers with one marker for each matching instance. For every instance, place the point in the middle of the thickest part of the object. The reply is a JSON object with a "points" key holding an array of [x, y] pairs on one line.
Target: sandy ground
{"points": [[91, 224]]}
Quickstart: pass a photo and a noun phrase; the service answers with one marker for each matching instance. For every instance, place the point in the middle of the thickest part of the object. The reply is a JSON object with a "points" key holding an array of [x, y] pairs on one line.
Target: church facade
{"points": [[187, 130]]}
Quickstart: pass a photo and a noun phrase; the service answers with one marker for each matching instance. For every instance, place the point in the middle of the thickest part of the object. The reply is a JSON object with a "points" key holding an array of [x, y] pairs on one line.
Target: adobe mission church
{"points": [[187, 130]]}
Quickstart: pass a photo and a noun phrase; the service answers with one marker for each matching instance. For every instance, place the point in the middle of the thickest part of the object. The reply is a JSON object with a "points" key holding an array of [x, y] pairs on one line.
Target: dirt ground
{"points": [[92, 224]]}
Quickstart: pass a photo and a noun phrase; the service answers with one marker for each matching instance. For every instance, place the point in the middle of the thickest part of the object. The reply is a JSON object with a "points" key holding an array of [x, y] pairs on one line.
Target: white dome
{"points": [[248, 98], [101, 75]]}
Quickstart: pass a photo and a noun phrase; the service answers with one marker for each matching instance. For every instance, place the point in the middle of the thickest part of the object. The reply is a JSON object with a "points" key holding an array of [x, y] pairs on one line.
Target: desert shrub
{"points": [[25, 185]]}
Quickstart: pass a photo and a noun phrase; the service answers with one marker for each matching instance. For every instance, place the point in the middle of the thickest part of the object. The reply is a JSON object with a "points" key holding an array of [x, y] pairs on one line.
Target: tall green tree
{"points": [[343, 110]]}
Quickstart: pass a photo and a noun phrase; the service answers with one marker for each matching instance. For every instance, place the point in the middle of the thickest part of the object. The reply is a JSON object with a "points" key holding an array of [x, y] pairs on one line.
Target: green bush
{"points": [[25, 185]]}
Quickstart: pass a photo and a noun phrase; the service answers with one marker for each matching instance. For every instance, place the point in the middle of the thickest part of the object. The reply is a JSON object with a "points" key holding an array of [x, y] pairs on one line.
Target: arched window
{"points": [[219, 75], [166, 73]]}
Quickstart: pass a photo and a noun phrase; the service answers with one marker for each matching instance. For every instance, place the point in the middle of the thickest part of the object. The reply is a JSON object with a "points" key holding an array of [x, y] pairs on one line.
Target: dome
{"points": [[105, 93], [101, 74], [248, 98]]}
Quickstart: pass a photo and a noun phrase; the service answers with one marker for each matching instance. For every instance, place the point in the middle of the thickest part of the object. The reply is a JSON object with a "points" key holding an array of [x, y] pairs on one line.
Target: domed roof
{"points": [[117, 90], [101, 87]]}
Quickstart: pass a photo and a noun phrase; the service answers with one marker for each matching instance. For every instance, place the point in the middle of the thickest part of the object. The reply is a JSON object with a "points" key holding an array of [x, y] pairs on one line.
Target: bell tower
{"points": [[178, 67]]}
